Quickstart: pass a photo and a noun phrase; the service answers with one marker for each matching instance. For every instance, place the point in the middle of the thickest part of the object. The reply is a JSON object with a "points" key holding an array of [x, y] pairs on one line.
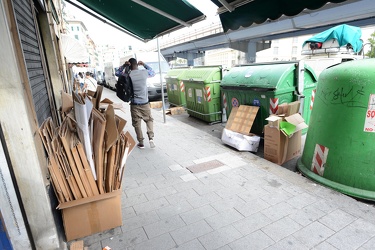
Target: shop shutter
{"points": [[30, 42]]}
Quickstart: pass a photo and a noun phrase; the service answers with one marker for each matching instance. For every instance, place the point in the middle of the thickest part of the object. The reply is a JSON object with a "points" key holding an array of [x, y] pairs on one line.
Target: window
{"points": [[275, 50], [294, 50], [72, 28], [77, 28], [295, 39], [76, 37]]}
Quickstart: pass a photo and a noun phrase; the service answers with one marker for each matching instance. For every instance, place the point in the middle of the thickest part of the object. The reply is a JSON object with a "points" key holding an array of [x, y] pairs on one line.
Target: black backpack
{"points": [[124, 86]]}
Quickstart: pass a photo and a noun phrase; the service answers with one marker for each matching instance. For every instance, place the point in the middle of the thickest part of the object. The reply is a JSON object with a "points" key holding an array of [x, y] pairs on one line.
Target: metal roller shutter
{"points": [[29, 35]]}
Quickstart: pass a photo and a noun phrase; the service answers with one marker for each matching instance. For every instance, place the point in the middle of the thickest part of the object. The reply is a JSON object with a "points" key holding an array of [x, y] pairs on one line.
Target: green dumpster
{"points": [[176, 87], [339, 148], [203, 99], [267, 85]]}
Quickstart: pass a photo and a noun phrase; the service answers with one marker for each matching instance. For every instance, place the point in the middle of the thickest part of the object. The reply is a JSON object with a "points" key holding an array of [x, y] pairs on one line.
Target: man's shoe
{"points": [[141, 145], [152, 144]]}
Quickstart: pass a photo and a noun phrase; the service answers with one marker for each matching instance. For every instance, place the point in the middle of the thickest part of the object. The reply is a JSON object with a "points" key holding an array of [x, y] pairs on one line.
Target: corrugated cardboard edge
{"points": [[88, 199]]}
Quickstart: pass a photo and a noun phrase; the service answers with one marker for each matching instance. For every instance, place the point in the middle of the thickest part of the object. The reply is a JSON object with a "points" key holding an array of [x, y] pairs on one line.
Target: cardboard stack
{"points": [[86, 162], [282, 134], [237, 130]]}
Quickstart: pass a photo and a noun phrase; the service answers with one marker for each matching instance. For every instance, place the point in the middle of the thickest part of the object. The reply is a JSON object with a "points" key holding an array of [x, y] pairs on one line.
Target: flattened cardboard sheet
{"points": [[241, 119]]}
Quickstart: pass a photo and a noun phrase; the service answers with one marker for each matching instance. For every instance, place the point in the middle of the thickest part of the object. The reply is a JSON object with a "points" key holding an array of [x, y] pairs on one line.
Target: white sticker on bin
{"points": [[370, 115]]}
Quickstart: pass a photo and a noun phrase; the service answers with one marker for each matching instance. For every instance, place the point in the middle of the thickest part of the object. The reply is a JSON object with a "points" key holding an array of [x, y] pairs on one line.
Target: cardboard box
{"points": [[91, 215], [156, 105], [282, 134], [239, 141], [176, 111], [279, 148]]}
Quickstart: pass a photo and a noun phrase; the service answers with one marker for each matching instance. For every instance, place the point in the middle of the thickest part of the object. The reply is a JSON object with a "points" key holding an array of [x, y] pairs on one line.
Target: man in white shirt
{"points": [[90, 83]]}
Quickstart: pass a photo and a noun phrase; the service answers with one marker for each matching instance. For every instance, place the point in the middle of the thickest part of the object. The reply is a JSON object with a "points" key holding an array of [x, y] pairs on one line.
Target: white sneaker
{"points": [[152, 144]]}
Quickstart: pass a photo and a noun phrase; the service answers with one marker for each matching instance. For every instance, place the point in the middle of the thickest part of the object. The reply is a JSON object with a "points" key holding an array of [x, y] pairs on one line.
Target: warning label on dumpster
{"points": [[370, 115]]}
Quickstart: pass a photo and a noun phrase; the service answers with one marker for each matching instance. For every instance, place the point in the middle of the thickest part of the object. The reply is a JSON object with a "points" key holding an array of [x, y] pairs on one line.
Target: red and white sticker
{"points": [[312, 99], [207, 94], [274, 105], [319, 159], [370, 115], [182, 86], [225, 103]]}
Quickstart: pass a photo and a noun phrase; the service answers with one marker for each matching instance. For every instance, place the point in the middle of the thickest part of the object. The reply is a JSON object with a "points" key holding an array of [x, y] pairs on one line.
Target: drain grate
{"points": [[204, 166]]}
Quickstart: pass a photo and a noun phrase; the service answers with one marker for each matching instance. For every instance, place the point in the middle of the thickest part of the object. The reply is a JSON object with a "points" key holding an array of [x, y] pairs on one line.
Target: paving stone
{"points": [[139, 221], [252, 192], [281, 228], [252, 207], [369, 245], [158, 193], [279, 211], [204, 199], [306, 215], [151, 179], [288, 243], [181, 196], [198, 214], [230, 191], [122, 241], [175, 167], [224, 218], [134, 200], [252, 223], [173, 210], [255, 240], [228, 203], [313, 234], [276, 197], [220, 237], [302, 200], [191, 245], [336, 220], [140, 190], [353, 236], [164, 226], [326, 246], [188, 177], [190, 232], [150, 205], [161, 242], [128, 212]]}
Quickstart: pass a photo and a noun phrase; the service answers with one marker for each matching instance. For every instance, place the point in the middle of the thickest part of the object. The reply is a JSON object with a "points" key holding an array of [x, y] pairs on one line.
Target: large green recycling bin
{"points": [[267, 85], [202, 86], [339, 151], [176, 87]]}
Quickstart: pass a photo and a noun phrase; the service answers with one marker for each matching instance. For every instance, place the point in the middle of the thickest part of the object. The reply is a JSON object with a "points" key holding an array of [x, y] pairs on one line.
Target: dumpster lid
{"points": [[176, 72], [265, 76], [203, 74]]}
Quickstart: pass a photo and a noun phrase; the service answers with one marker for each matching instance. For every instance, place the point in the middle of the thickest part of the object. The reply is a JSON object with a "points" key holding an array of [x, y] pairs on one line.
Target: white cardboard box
{"points": [[239, 141]]}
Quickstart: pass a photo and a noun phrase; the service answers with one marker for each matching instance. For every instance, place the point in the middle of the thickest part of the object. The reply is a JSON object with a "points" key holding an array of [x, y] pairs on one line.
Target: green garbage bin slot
{"points": [[339, 147], [266, 86], [176, 87], [202, 86]]}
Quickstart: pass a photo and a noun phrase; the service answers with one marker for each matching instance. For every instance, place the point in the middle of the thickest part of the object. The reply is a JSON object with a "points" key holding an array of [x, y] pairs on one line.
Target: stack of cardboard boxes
{"points": [[282, 134], [86, 161]]}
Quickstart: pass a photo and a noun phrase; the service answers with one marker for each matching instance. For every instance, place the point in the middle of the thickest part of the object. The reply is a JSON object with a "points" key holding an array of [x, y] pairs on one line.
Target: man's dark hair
{"points": [[133, 63]]}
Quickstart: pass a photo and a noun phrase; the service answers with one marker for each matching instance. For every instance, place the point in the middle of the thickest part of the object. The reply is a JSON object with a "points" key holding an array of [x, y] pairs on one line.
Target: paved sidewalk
{"points": [[247, 203]]}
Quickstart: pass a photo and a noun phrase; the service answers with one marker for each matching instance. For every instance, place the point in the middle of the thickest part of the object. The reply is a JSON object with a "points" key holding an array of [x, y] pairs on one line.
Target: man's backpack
{"points": [[124, 86]]}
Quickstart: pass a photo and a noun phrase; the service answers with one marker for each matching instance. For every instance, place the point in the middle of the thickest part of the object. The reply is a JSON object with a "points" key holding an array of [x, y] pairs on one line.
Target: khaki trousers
{"points": [[139, 113]]}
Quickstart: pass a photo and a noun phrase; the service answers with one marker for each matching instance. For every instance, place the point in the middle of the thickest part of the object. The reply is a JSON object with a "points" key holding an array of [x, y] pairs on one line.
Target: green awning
{"points": [[236, 13], [145, 19]]}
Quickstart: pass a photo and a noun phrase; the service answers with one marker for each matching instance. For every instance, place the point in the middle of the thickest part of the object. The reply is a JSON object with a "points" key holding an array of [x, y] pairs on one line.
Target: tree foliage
{"points": [[371, 52]]}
